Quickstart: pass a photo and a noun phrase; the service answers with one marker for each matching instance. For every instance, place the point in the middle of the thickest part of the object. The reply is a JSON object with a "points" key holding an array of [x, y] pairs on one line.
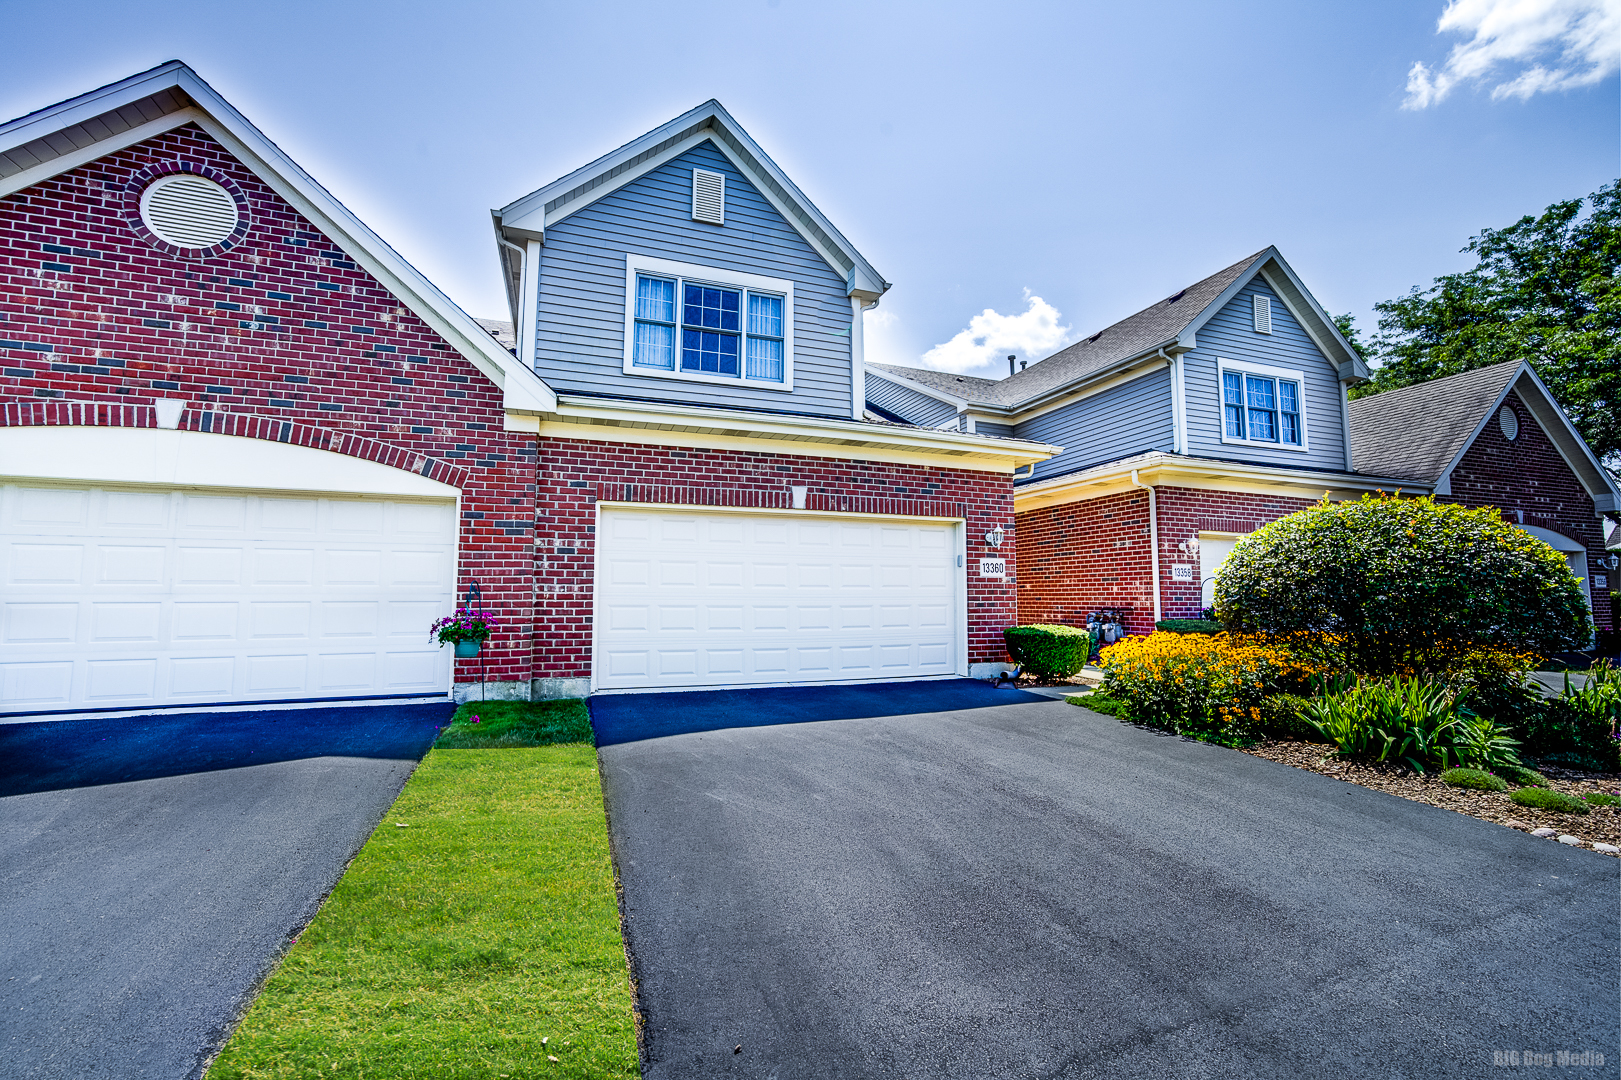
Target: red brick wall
{"points": [[1527, 476], [280, 335], [1186, 512], [574, 474], [1083, 556]]}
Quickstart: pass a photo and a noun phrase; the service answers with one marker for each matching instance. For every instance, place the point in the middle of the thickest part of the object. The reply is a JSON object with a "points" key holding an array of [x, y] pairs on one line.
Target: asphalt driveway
{"points": [[1027, 889], [153, 869]]}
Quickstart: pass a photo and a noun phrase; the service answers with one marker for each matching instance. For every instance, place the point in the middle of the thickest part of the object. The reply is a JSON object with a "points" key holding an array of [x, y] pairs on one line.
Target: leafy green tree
{"points": [[1544, 290], [1410, 585]]}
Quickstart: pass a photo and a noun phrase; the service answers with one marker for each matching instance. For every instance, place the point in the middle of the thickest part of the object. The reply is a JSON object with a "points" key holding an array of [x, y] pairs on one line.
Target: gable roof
{"points": [[1171, 324], [529, 217], [1422, 431], [1418, 431], [62, 137]]}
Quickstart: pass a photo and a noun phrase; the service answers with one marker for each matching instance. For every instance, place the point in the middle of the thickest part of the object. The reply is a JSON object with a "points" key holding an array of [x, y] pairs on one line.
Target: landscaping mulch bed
{"points": [[1602, 824]]}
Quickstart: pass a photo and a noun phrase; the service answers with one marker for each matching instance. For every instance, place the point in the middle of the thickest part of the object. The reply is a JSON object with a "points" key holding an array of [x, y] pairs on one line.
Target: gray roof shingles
{"points": [[1416, 431], [1152, 326]]}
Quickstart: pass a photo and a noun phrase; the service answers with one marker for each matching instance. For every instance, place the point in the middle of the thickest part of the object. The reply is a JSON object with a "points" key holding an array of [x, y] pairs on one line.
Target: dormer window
{"points": [[709, 325], [1262, 406]]}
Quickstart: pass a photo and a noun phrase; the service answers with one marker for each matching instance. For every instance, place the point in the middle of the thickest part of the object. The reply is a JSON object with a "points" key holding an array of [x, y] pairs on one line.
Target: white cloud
{"points": [[1558, 44], [990, 335]]}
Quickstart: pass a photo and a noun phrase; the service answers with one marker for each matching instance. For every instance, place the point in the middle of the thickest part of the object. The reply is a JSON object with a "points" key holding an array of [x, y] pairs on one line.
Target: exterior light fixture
{"points": [[996, 536], [1612, 562]]}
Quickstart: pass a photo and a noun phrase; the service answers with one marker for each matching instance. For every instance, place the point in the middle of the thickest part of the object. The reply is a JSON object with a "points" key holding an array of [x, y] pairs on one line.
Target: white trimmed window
{"points": [[686, 321], [1262, 406]]}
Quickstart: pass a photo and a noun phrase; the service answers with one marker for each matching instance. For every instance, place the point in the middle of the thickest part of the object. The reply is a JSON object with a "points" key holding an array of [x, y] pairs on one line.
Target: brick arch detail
{"points": [[242, 425]]}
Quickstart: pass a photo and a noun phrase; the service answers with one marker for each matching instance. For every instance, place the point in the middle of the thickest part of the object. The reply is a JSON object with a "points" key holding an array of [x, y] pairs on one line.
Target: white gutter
{"points": [[1153, 538]]}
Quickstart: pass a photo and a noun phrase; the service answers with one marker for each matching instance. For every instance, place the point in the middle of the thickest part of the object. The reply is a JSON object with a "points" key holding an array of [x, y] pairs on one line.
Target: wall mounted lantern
{"points": [[996, 536]]}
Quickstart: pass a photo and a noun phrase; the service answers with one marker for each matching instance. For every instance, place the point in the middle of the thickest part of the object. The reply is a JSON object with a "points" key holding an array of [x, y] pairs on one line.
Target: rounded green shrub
{"points": [[1048, 651], [1543, 799], [1189, 626], [1474, 779], [1402, 582], [1599, 798]]}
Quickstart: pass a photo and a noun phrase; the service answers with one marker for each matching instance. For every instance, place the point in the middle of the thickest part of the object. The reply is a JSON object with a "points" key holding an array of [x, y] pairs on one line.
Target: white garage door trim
{"points": [[954, 556], [298, 498]]}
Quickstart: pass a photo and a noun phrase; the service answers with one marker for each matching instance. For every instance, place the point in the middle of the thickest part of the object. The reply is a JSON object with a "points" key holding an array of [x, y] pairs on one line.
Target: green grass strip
{"points": [[478, 941], [504, 724]]}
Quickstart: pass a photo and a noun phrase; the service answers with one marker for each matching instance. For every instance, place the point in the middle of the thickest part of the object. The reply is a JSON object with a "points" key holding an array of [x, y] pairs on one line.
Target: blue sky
{"points": [[1094, 157]]}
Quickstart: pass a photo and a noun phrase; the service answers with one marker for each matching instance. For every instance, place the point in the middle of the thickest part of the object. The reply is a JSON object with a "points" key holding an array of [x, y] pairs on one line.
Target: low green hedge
{"points": [[1189, 626], [1048, 651], [1543, 799], [1474, 779]]}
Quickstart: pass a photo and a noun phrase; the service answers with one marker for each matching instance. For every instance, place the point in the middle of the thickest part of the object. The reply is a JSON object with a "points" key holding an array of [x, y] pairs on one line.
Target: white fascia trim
{"points": [[636, 264], [1174, 470], [1293, 375], [538, 219], [712, 120], [86, 154], [957, 403], [524, 390], [657, 416], [1594, 478], [1304, 307], [53, 118], [1179, 403], [1320, 325]]}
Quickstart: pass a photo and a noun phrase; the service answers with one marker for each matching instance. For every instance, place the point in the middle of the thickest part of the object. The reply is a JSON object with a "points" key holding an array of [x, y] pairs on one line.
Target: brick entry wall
{"points": [[277, 335], [575, 474], [1528, 477], [1082, 556]]}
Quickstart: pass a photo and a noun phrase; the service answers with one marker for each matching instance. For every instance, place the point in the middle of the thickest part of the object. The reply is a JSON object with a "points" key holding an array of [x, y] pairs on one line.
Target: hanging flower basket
{"points": [[467, 630]]}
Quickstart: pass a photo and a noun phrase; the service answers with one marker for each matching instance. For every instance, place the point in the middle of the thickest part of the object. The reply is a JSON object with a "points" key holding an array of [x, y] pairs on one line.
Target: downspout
{"points": [[858, 359], [1179, 420], [1153, 538]]}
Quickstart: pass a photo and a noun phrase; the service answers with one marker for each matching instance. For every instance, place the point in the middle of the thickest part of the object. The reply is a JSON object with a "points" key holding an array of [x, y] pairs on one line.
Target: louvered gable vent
{"points": [[1263, 315], [708, 197], [188, 211]]}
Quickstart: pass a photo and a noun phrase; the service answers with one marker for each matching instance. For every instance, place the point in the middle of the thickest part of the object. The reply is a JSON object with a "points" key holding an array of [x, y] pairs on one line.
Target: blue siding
{"points": [[580, 327], [908, 404], [1131, 418], [1231, 335], [1004, 431]]}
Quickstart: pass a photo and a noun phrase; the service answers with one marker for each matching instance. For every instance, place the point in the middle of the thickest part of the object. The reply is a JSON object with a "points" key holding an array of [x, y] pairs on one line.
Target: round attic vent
{"points": [[188, 211], [1509, 423]]}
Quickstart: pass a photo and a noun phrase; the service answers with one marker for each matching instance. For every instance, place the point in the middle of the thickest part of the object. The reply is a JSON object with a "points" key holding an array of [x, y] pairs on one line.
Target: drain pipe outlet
{"points": [[1153, 538]]}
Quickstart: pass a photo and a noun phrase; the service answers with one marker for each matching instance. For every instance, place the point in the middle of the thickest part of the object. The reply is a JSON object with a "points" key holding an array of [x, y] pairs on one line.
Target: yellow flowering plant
{"points": [[1209, 686]]}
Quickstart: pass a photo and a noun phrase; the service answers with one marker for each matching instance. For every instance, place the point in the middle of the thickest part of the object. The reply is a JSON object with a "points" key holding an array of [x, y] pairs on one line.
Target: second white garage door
{"points": [[736, 599], [120, 598]]}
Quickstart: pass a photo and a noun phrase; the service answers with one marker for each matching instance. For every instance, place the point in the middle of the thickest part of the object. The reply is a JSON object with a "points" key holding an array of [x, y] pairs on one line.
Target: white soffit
{"points": [[122, 114]]}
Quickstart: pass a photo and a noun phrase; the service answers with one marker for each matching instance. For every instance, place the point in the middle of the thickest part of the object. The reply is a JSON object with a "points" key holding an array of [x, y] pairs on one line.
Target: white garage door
{"points": [[130, 598], [715, 599]]}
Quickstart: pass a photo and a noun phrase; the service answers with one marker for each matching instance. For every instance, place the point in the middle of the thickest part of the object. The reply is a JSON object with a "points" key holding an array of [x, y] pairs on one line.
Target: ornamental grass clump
{"points": [[1208, 686], [1411, 722]]}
